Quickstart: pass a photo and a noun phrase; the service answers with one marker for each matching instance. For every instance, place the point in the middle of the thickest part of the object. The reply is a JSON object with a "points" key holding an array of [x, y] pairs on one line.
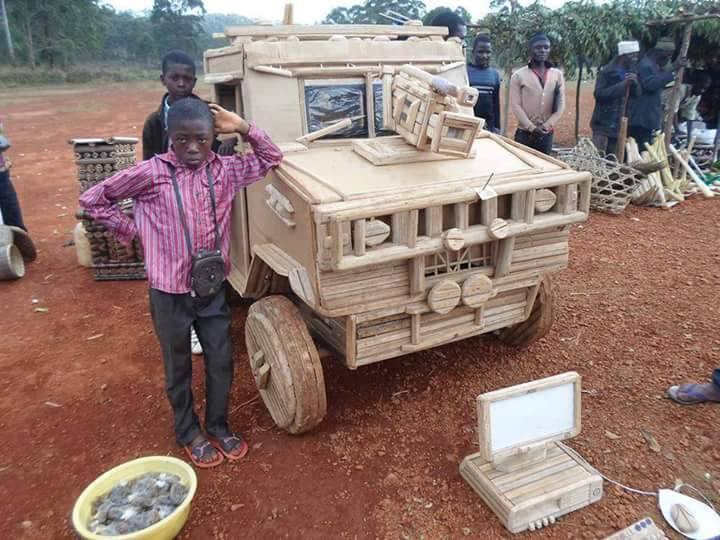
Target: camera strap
{"points": [[178, 197]]}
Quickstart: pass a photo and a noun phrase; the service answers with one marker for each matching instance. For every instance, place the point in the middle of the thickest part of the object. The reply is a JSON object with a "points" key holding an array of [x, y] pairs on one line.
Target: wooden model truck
{"points": [[394, 225]]}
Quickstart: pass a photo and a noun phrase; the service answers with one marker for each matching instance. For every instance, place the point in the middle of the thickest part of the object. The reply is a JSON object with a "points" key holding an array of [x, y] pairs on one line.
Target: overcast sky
{"points": [[307, 12]]}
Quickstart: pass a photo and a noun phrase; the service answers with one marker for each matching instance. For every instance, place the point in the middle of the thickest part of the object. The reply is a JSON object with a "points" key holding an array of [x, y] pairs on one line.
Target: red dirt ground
{"points": [[637, 311]]}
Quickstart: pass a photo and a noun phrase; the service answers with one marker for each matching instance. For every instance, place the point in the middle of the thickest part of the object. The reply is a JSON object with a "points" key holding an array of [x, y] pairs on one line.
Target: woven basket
{"points": [[98, 159], [612, 183], [12, 265]]}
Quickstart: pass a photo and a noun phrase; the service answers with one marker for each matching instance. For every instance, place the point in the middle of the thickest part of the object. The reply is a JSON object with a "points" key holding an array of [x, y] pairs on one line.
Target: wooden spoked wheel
{"points": [[285, 364], [537, 324]]}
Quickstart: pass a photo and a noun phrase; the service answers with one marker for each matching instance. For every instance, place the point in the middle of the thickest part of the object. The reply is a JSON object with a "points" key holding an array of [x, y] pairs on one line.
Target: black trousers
{"points": [[607, 145], [9, 204], [641, 136], [542, 142], [172, 315]]}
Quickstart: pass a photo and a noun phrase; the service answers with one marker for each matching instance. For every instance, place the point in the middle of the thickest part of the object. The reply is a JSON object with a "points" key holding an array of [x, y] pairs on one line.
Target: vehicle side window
{"points": [[329, 103]]}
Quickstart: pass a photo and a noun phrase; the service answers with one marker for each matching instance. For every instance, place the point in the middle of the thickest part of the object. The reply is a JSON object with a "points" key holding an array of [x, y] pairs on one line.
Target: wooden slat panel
{"points": [[384, 283], [540, 252], [540, 265]]}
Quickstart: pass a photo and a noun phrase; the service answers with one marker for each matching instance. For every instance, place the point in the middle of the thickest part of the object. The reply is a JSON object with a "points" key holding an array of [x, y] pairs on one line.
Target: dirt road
{"points": [[82, 390]]}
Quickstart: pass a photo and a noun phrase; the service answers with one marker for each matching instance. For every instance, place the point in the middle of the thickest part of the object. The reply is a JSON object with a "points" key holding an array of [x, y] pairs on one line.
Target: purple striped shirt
{"points": [[157, 219]]}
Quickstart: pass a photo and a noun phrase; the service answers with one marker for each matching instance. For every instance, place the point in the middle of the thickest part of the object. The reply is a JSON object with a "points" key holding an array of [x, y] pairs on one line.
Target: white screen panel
{"points": [[531, 417]]}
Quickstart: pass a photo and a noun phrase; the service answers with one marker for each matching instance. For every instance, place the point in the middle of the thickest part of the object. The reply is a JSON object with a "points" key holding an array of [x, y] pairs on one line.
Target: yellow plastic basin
{"points": [[164, 529]]}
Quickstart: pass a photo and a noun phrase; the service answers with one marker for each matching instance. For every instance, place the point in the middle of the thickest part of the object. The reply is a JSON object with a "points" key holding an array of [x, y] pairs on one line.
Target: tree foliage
{"points": [[177, 24], [463, 13], [588, 32], [370, 11], [57, 33]]}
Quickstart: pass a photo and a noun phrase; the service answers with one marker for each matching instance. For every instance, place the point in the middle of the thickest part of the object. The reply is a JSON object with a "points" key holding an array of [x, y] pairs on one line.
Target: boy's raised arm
{"points": [[100, 201], [246, 169]]}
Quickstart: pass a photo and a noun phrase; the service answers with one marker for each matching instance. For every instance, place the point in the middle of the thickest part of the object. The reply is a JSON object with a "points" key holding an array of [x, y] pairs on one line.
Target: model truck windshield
{"points": [[327, 102]]}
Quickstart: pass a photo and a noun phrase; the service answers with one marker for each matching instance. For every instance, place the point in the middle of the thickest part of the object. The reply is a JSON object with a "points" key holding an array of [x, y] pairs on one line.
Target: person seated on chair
{"points": [[615, 81]]}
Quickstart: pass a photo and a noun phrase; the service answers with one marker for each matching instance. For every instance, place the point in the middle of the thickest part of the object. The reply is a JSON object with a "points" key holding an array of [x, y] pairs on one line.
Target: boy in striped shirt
{"points": [[201, 176]]}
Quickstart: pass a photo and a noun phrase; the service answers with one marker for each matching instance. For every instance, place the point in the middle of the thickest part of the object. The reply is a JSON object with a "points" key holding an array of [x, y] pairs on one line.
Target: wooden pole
{"points": [[675, 99], [288, 14], [6, 26], [581, 62], [505, 121], [622, 135]]}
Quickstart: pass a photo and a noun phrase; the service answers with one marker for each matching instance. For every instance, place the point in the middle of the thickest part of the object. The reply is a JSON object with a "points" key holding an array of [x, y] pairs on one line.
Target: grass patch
{"points": [[15, 76]]}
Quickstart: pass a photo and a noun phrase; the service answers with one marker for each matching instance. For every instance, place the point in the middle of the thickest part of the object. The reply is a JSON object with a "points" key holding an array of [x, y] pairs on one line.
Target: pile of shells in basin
{"points": [[133, 505]]}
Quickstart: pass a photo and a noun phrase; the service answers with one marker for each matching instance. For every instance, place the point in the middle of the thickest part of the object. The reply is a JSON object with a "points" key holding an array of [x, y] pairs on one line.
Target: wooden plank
{"points": [[327, 130], [540, 265], [398, 228], [433, 221], [388, 203], [370, 105], [359, 237], [498, 476], [517, 206], [462, 215], [541, 252], [310, 31], [504, 256], [387, 79], [567, 198], [529, 206], [415, 330], [336, 245], [479, 317], [417, 275], [358, 285], [351, 341], [488, 210], [412, 228]]}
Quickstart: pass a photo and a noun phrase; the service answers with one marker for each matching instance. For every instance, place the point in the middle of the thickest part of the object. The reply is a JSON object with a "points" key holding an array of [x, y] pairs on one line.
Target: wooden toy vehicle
{"points": [[394, 224]]}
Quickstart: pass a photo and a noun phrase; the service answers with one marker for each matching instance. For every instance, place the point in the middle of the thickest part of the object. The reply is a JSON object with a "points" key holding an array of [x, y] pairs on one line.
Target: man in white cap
{"points": [[614, 81], [646, 110]]}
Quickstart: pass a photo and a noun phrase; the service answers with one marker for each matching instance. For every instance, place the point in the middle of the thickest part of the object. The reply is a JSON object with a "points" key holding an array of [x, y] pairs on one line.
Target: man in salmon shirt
{"points": [[537, 97]]}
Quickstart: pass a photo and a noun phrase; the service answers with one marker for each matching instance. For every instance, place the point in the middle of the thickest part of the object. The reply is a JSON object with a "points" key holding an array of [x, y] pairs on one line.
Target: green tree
{"points": [[370, 12], [6, 30], [57, 32], [461, 11], [177, 24], [217, 22], [510, 26], [129, 38]]}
